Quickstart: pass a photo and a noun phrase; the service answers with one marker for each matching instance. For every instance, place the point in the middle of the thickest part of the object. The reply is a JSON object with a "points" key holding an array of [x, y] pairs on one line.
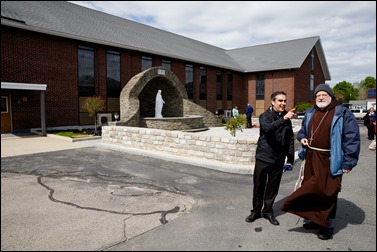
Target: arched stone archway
{"points": [[137, 99]]}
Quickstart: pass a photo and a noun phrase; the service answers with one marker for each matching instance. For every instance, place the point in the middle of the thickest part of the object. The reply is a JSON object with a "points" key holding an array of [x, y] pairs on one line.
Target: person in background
{"points": [[235, 111], [369, 122], [330, 136], [249, 112], [275, 145]]}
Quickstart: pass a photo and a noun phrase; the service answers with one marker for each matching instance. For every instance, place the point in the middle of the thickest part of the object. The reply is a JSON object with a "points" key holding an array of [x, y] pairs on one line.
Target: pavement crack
{"points": [[53, 199], [163, 214]]}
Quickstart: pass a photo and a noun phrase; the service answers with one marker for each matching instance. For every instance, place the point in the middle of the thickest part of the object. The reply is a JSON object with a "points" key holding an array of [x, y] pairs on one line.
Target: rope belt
{"points": [[317, 149]]}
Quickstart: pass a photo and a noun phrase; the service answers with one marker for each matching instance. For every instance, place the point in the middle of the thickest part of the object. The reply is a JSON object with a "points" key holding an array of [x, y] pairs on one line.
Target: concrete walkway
{"points": [[13, 145]]}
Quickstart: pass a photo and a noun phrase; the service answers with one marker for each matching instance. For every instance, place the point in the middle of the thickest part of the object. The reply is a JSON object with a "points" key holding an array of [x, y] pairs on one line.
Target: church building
{"points": [[56, 54]]}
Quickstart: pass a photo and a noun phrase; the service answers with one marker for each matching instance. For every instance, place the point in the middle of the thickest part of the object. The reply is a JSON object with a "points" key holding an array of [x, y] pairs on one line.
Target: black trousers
{"points": [[266, 179], [370, 132], [249, 125]]}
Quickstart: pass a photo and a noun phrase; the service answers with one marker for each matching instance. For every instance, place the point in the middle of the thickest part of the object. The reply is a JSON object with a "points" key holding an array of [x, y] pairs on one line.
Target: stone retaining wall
{"points": [[223, 149], [183, 143]]}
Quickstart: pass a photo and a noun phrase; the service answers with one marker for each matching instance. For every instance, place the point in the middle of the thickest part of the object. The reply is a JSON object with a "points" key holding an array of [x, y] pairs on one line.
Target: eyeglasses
{"points": [[321, 95], [282, 100]]}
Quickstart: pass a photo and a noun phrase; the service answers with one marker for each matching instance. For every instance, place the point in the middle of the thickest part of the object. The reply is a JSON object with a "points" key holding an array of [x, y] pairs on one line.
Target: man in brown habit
{"points": [[330, 140]]}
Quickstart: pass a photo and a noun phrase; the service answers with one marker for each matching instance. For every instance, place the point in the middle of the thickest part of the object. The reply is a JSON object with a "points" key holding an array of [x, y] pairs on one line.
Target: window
{"points": [[166, 63], [86, 71], [259, 87], [229, 86], [312, 60], [203, 83], [219, 85], [113, 74], [146, 62], [190, 81], [4, 104], [312, 86]]}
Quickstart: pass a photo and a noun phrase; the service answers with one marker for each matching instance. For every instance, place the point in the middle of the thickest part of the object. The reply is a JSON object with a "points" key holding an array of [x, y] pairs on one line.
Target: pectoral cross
{"points": [[313, 132]]}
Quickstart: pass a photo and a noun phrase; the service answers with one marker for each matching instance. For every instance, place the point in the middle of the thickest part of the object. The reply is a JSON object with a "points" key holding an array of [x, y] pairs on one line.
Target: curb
{"points": [[69, 139]]}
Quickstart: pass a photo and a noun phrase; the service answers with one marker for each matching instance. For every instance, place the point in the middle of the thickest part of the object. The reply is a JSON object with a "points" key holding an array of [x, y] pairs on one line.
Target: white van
{"points": [[359, 113]]}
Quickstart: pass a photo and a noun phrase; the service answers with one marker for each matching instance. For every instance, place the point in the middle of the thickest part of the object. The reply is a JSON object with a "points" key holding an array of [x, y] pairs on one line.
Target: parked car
{"points": [[359, 113], [299, 115]]}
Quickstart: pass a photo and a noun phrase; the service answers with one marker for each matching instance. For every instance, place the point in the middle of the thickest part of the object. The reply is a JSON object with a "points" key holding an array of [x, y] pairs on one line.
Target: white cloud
{"points": [[347, 28]]}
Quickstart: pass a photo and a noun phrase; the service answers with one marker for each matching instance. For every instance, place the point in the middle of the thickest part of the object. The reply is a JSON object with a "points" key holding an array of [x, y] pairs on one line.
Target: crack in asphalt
{"points": [[126, 179]]}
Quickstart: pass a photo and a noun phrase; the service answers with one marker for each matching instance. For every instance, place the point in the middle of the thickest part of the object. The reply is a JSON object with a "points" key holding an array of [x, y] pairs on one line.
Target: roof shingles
{"points": [[70, 20]]}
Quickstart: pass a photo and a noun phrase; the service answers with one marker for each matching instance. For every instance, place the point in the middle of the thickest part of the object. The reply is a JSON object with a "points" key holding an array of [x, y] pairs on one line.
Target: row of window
{"points": [[86, 83]]}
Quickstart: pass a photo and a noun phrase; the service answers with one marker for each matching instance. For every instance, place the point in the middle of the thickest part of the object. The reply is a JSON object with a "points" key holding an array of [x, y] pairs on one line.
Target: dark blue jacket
{"points": [[249, 110], [344, 139]]}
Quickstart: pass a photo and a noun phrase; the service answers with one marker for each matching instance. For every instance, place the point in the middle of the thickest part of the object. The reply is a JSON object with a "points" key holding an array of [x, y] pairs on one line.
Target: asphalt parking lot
{"points": [[79, 196]]}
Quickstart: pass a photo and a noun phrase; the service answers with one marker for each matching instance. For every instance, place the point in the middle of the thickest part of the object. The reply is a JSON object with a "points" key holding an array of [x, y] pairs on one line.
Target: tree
{"points": [[368, 82], [345, 91], [364, 85], [94, 105]]}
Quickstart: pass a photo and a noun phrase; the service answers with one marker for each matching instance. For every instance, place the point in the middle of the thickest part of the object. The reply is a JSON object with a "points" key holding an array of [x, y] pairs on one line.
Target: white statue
{"points": [[159, 104]]}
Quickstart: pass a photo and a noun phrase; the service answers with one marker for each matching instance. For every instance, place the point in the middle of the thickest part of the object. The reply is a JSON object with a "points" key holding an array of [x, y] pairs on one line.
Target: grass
{"points": [[72, 134]]}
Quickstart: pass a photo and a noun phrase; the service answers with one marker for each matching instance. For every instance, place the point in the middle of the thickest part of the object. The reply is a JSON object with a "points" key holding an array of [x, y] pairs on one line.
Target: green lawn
{"points": [[72, 134]]}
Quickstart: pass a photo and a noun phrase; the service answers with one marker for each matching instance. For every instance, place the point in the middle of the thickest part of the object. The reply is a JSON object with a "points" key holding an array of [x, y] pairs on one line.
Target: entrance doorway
{"points": [[6, 122]]}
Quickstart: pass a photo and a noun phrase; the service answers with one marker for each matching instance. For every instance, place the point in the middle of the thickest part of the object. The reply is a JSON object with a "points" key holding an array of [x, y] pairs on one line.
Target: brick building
{"points": [[54, 55]]}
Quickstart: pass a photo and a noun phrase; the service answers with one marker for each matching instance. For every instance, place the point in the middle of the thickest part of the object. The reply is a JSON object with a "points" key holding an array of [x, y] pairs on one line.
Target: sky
{"points": [[347, 29]]}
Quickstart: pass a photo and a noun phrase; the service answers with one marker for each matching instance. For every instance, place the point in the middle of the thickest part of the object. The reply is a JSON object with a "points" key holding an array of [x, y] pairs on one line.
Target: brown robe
{"points": [[316, 199]]}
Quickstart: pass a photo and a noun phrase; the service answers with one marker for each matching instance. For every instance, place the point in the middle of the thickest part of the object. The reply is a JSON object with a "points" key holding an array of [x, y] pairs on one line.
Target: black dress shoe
{"points": [[311, 225], [271, 219], [252, 217], [325, 233]]}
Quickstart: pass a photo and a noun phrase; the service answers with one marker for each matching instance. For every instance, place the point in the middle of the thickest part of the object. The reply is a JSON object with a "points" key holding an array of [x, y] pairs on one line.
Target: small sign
{"points": [[161, 72]]}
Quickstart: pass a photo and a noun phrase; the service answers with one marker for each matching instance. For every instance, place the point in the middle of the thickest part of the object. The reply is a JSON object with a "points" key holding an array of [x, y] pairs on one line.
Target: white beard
{"points": [[322, 104]]}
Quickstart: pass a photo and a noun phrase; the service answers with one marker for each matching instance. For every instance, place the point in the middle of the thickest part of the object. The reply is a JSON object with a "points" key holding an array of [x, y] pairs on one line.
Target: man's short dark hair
{"points": [[276, 93]]}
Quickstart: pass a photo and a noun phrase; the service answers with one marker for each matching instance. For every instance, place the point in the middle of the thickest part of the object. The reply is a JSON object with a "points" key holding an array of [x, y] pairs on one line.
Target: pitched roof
{"points": [[281, 55], [69, 20]]}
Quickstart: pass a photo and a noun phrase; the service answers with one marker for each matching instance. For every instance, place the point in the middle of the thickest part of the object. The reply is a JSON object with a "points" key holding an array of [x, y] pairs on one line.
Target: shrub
{"points": [[303, 106], [236, 123]]}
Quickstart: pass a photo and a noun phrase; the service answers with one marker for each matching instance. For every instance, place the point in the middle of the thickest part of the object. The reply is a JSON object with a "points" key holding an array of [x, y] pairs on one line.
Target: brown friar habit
{"points": [[316, 199]]}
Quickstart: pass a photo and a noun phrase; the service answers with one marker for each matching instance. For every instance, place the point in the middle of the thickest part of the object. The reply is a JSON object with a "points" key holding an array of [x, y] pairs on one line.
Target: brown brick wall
{"points": [[30, 57], [40, 59], [302, 79], [239, 92]]}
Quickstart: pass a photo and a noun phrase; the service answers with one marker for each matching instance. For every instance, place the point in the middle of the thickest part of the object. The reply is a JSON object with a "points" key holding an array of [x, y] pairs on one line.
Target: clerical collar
{"points": [[277, 113]]}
